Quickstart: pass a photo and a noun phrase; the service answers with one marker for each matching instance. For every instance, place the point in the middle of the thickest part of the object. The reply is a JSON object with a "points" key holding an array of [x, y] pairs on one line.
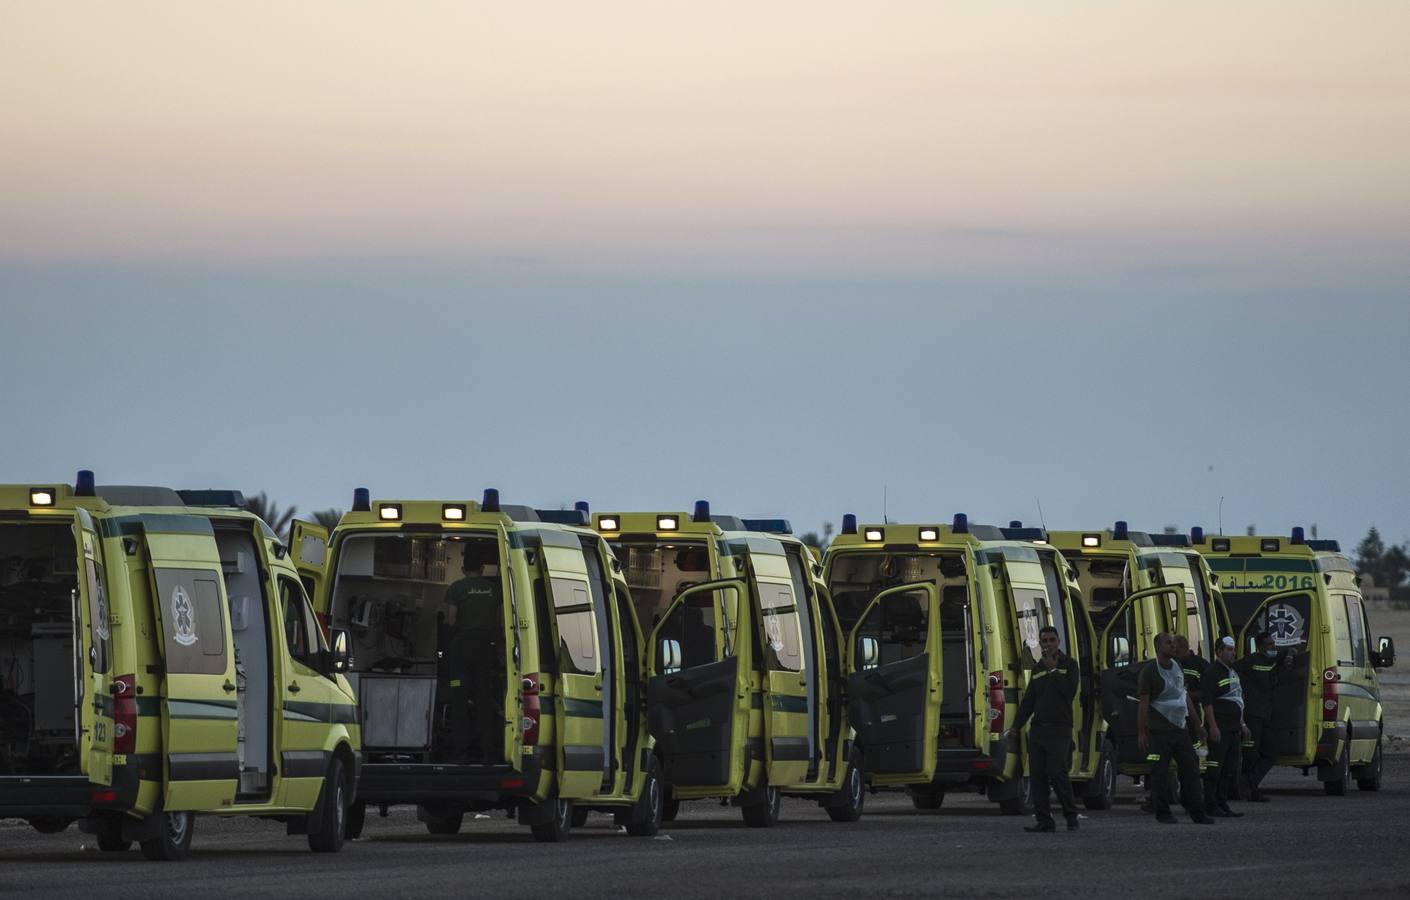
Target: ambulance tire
{"points": [[332, 812], [764, 812], [447, 824], [927, 798], [854, 790], [559, 826], [1341, 774], [50, 824], [109, 835], [1102, 788], [671, 808], [1021, 803], [173, 840], [357, 818], [580, 815], [1369, 777], [651, 808]]}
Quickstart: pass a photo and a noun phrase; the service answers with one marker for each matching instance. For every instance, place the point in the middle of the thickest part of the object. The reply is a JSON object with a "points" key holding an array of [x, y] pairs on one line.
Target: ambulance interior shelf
{"points": [[38, 576]]}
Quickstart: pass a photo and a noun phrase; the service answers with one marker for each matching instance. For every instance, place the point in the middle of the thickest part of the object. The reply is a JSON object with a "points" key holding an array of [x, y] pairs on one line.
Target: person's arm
{"points": [[1194, 713], [1212, 724], [1025, 710]]}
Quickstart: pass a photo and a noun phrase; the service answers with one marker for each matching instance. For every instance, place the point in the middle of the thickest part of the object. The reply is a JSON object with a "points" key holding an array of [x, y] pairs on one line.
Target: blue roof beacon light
{"points": [[362, 500], [490, 503], [1015, 523], [849, 523], [1197, 535], [1121, 532], [85, 485], [961, 524], [702, 511], [1298, 535], [582, 507]]}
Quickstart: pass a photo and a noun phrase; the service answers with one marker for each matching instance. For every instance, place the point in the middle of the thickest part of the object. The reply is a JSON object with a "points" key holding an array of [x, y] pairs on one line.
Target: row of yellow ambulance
{"points": [[165, 654]]}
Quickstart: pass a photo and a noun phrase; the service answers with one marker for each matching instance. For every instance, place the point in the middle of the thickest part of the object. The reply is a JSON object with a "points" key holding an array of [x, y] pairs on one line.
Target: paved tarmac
{"points": [[1303, 843]]}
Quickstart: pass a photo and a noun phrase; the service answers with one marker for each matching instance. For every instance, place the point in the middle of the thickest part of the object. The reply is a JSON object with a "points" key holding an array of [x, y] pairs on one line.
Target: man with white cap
{"points": [[1224, 715]]}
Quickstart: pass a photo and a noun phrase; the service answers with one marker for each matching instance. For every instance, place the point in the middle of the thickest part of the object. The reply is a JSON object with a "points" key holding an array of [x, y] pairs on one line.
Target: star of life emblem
{"points": [[1284, 624], [183, 616]]}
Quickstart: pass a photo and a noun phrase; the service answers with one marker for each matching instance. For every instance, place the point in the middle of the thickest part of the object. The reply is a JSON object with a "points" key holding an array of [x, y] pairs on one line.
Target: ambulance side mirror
{"points": [[668, 656], [1384, 657], [868, 652], [340, 654]]}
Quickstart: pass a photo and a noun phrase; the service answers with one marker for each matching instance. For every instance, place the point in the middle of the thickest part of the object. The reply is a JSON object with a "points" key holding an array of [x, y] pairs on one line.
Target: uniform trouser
{"points": [[1049, 757], [472, 677], [1258, 762], [1222, 768], [1164, 744]]}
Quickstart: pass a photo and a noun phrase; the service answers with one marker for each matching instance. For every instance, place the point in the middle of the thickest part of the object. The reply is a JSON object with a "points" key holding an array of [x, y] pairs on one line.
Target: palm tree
{"points": [[328, 518], [276, 518]]}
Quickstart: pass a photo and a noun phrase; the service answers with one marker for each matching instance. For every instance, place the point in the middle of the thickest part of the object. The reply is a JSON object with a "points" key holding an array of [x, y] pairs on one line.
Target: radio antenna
{"points": [[1041, 520], [1221, 514], [884, 520]]}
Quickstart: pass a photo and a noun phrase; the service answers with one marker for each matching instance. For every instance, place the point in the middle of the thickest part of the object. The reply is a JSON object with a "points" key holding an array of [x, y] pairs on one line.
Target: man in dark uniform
{"points": [[1259, 674], [473, 617], [1048, 702], [1223, 696], [1161, 734], [1193, 666]]}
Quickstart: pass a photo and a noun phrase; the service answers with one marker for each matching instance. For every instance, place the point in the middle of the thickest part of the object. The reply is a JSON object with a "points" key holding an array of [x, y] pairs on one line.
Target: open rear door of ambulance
{"points": [[698, 691], [199, 699], [894, 684]]}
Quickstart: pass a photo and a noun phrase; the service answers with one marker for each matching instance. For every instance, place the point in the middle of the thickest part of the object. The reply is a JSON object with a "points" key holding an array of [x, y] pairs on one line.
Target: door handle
{"points": [[293, 687], [228, 686]]}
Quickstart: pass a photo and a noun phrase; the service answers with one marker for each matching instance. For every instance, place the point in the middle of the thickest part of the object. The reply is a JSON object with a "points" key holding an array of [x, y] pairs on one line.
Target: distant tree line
{"points": [[1388, 565]]}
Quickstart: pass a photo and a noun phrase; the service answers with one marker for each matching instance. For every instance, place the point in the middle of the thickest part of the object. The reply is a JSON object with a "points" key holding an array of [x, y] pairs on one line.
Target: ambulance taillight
{"points": [[1331, 694], [532, 709], [996, 702], [125, 714]]}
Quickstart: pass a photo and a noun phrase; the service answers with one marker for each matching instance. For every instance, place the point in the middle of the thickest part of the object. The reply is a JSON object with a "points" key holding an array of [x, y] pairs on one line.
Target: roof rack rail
{"points": [[771, 526], [213, 497], [563, 516]]}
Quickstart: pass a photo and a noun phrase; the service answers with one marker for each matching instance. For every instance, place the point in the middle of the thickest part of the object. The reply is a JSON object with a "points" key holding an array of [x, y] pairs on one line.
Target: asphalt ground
{"points": [[1301, 843]]}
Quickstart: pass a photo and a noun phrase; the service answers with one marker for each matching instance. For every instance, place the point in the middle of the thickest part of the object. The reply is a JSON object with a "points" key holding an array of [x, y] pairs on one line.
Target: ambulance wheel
{"points": [[332, 812], [651, 808], [50, 824], [927, 798], [579, 817], [1369, 778], [764, 813], [357, 818], [447, 824], [1021, 803], [1341, 774], [854, 792], [671, 808], [559, 827], [109, 835], [1102, 789], [173, 840]]}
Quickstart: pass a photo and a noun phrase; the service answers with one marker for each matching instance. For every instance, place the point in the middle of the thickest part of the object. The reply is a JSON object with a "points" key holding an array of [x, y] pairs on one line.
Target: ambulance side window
{"points": [[193, 618], [1357, 617], [301, 631], [784, 650], [98, 617], [577, 629]]}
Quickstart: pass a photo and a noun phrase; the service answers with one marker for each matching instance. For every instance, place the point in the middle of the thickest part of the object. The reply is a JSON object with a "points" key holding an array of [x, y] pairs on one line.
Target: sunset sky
{"points": [[990, 253]]}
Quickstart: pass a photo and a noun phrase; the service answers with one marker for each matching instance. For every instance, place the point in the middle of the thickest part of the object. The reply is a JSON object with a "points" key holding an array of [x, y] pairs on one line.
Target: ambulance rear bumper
{"points": [[22, 796], [394, 783]]}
